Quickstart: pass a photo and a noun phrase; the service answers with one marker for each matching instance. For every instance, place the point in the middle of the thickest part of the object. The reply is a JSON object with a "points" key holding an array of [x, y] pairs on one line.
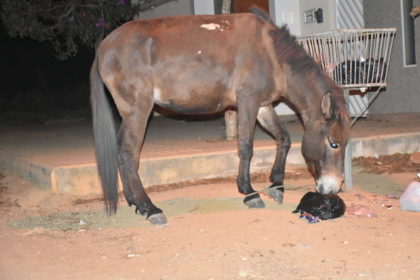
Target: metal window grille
{"points": [[354, 58]]}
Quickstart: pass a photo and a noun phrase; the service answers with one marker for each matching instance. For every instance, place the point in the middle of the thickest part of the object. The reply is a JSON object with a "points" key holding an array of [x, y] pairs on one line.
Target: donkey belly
{"points": [[189, 101], [193, 87]]}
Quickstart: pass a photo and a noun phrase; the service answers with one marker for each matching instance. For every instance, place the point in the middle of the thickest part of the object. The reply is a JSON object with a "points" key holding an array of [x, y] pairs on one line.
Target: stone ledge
{"points": [[82, 179]]}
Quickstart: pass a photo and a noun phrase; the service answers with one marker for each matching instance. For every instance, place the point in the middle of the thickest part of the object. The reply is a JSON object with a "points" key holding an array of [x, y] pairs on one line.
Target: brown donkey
{"points": [[205, 64]]}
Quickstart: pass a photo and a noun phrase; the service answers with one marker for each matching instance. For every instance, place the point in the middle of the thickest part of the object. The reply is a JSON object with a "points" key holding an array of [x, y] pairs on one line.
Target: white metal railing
{"points": [[354, 58]]}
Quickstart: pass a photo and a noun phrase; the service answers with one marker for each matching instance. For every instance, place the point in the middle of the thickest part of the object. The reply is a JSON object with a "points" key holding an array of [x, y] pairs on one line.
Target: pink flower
{"points": [[101, 23]]}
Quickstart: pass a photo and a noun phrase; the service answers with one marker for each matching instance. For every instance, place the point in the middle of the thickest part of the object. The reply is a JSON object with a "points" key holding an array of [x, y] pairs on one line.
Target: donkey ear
{"points": [[326, 105]]}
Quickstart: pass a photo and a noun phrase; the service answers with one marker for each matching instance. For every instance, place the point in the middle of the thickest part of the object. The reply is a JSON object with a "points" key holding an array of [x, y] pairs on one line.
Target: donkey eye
{"points": [[333, 144]]}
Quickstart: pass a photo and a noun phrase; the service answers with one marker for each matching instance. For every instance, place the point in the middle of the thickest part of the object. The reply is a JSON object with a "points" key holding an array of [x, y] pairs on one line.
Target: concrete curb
{"points": [[82, 179]]}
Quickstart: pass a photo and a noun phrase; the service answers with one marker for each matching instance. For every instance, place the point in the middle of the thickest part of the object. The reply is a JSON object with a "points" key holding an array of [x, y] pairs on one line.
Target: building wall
{"points": [[329, 20], [402, 95], [292, 13]]}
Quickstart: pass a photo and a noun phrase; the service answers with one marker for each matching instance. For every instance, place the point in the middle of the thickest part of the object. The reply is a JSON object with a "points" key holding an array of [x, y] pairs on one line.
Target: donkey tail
{"points": [[105, 139]]}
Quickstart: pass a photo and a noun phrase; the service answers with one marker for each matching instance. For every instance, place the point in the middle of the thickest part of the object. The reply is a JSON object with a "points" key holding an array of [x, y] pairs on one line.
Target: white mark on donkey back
{"points": [[212, 27]]}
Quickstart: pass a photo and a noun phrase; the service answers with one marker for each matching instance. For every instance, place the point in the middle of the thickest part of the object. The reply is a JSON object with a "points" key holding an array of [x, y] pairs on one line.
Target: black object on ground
{"points": [[328, 206]]}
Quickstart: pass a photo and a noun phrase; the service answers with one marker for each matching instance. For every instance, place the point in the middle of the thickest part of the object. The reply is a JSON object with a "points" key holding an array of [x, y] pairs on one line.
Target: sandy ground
{"points": [[211, 234]]}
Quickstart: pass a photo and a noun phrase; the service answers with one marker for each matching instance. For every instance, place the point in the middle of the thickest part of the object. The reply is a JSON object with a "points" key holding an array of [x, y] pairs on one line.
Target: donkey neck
{"points": [[305, 94]]}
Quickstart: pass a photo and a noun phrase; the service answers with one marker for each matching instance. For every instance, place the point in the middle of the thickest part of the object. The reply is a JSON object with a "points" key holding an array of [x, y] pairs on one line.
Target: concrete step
{"points": [[176, 161]]}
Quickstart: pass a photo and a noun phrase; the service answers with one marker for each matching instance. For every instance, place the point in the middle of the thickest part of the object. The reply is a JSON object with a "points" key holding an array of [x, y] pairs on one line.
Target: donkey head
{"points": [[324, 143]]}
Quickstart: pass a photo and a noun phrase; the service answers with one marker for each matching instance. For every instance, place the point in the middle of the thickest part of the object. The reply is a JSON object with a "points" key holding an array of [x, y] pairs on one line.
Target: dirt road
{"points": [[210, 235]]}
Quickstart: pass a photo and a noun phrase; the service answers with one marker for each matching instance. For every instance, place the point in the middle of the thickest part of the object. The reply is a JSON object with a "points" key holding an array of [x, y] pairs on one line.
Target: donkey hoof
{"points": [[276, 194], [254, 202], [157, 219]]}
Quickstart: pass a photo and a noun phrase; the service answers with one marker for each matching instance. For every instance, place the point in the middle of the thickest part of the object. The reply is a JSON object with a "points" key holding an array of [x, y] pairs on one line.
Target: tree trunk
{"points": [[231, 116], [226, 6], [231, 123]]}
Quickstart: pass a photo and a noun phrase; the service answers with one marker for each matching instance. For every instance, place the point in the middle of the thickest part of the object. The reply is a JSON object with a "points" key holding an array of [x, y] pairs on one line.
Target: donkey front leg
{"points": [[269, 120], [130, 140], [247, 118]]}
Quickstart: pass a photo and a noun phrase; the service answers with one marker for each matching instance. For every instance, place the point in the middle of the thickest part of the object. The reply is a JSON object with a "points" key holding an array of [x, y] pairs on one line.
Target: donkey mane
{"points": [[289, 51]]}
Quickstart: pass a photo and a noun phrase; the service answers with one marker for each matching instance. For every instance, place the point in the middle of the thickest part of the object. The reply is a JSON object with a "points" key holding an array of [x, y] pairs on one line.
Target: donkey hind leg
{"points": [[130, 140], [269, 120], [126, 188], [247, 117]]}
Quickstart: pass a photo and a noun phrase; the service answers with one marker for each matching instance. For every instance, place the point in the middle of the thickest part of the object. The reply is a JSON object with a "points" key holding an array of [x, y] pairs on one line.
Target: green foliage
{"points": [[66, 24]]}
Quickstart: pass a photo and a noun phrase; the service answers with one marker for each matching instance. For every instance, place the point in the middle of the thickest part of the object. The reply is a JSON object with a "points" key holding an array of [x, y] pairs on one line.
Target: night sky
{"points": [[35, 85]]}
